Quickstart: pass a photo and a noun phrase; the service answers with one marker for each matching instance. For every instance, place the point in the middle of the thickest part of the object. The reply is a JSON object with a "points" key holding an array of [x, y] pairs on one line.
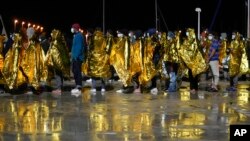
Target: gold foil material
{"points": [[118, 59], [222, 50], [191, 55], [149, 70], [135, 57], [23, 63], [238, 63], [58, 55], [11, 71], [171, 53], [2, 38], [97, 63]]}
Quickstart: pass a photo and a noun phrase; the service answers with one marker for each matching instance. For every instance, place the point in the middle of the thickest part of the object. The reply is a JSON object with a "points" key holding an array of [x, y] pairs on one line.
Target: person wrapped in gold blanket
{"points": [[192, 59], [238, 62], [97, 65], [24, 62], [57, 60]]}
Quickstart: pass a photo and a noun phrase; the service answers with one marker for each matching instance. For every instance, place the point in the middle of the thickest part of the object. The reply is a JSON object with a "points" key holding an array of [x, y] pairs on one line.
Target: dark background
{"points": [[129, 14]]}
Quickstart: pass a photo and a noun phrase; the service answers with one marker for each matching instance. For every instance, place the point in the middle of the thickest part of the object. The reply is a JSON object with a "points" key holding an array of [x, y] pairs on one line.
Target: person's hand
{"points": [[207, 60]]}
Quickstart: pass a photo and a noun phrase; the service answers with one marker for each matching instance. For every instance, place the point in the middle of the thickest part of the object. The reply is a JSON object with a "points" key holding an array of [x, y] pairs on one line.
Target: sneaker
{"points": [[76, 92], [57, 92], [138, 90], [93, 90], [103, 90], [154, 91], [89, 80], [29, 92], [231, 89], [213, 90], [193, 91], [119, 91], [2, 91]]}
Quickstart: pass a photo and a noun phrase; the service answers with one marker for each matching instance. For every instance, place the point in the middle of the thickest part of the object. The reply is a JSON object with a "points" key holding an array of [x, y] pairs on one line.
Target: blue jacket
{"points": [[78, 47]]}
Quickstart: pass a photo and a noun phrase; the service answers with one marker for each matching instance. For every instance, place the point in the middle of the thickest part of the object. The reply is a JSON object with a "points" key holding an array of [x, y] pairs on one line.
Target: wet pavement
{"points": [[112, 116]]}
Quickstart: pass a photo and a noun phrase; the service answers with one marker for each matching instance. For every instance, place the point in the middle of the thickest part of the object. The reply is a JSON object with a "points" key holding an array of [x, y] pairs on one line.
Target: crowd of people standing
{"points": [[138, 58]]}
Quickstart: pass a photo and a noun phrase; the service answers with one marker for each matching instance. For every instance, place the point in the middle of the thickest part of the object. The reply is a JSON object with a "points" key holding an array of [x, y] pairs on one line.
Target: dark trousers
{"points": [[234, 81], [77, 72], [59, 79], [94, 79], [193, 80], [154, 82], [135, 78]]}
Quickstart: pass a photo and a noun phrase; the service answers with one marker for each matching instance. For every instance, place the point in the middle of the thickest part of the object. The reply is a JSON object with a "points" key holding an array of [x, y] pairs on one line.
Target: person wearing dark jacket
{"points": [[77, 56]]}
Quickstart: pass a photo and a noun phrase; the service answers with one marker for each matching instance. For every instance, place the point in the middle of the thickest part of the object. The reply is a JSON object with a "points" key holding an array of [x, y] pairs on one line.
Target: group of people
{"points": [[138, 58]]}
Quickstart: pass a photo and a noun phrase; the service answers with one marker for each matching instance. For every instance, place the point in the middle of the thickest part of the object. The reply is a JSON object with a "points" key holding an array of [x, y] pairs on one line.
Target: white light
{"points": [[198, 9]]}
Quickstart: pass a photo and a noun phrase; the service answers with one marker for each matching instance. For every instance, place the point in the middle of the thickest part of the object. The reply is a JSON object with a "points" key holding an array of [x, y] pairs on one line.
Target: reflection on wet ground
{"points": [[123, 117]]}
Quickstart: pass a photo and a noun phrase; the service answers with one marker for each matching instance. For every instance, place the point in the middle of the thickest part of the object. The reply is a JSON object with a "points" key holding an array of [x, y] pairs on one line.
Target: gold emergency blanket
{"points": [[58, 55], [97, 63], [192, 57], [222, 50], [170, 49], [148, 68], [206, 48], [120, 59], [2, 38], [135, 57], [238, 63], [23, 65]]}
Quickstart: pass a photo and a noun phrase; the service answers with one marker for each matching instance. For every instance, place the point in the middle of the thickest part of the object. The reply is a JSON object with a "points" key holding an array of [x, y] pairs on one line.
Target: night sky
{"points": [[128, 14]]}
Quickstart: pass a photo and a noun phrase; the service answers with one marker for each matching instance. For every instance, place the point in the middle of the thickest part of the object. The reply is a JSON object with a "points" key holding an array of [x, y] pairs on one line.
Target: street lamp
{"points": [[199, 11], [156, 15], [29, 25], [15, 22]]}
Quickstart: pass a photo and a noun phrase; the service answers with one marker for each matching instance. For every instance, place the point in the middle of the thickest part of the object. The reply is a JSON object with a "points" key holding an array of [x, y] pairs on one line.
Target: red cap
{"points": [[76, 26]]}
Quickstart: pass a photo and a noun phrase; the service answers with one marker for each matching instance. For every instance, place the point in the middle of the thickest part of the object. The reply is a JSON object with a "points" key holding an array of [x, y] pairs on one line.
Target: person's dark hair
{"points": [[98, 29], [215, 34]]}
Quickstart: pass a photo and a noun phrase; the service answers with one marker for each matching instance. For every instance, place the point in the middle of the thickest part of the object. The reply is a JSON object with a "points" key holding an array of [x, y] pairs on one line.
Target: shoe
{"points": [[193, 91], [29, 92], [119, 91], [213, 90], [2, 91], [57, 92], [137, 90], [93, 90], [76, 92], [89, 80], [154, 91], [231, 89], [103, 90]]}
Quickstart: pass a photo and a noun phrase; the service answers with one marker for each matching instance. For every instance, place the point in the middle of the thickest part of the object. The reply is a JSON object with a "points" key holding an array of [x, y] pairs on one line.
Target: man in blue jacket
{"points": [[77, 56]]}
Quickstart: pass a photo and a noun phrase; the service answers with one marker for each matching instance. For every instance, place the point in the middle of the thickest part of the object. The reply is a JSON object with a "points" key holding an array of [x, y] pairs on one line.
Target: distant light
{"points": [[29, 24], [34, 25], [198, 9], [16, 21], [23, 23]]}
